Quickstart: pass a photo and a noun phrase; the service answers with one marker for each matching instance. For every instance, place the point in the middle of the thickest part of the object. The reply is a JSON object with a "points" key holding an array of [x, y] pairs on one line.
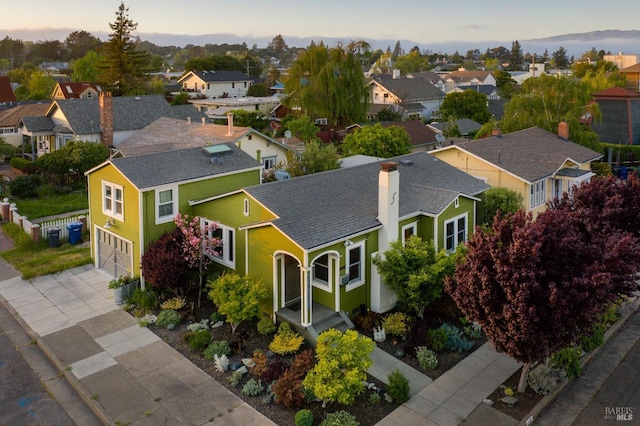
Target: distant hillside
{"points": [[575, 44], [594, 36]]}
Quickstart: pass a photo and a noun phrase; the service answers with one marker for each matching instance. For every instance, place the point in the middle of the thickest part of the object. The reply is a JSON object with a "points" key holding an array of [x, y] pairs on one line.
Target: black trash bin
{"points": [[54, 237], [75, 232]]}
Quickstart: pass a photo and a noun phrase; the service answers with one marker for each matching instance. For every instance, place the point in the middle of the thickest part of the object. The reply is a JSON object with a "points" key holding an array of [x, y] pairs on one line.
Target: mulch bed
{"points": [[366, 412], [526, 400]]}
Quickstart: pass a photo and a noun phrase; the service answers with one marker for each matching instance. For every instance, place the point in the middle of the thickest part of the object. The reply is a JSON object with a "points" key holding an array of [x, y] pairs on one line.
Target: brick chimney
{"points": [[106, 118], [563, 130]]}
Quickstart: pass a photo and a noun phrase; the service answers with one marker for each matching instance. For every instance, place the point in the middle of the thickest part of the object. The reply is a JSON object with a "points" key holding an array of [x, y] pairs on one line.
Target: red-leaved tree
{"points": [[535, 286], [163, 265]]}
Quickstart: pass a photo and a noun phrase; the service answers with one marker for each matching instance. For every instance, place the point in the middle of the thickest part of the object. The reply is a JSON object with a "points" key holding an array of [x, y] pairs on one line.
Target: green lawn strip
{"points": [[56, 205], [34, 259]]}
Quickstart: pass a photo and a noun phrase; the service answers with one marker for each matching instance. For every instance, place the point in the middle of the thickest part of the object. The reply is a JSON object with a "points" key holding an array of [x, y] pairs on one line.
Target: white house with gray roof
{"points": [[215, 84], [411, 97]]}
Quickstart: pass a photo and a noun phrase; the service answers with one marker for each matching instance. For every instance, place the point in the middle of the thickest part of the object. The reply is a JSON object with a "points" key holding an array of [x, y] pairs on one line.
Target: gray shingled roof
{"points": [[220, 76], [38, 124], [411, 89], [129, 112], [532, 154], [164, 168], [320, 208], [465, 126]]}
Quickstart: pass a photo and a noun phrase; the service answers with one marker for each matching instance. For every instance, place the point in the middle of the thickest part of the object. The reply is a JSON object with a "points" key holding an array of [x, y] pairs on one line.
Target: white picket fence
{"points": [[40, 229], [61, 224]]}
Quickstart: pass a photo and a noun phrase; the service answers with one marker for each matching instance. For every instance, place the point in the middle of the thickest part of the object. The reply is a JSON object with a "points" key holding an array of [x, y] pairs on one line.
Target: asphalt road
{"points": [[32, 391]]}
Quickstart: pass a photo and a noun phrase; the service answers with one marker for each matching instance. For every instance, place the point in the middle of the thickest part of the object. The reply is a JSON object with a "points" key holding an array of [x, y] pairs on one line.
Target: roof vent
{"points": [[216, 161], [406, 162]]}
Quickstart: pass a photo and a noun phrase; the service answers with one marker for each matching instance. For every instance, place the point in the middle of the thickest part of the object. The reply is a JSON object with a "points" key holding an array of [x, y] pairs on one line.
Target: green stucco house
{"points": [[312, 238]]}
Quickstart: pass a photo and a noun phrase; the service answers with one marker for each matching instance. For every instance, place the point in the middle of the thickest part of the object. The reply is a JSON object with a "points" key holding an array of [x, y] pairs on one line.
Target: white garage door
{"points": [[114, 254]]}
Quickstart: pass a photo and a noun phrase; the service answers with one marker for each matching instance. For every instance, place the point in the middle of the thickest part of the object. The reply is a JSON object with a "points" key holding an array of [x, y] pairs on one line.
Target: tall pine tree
{"points": [[123, 69]]}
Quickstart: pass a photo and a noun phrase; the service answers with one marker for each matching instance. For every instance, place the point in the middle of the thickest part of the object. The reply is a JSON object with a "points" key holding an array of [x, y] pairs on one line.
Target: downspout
{"points": [[143, 285]]}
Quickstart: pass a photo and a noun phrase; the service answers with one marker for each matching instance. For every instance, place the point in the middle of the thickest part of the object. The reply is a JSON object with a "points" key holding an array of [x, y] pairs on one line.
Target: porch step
{"points": [[339, 321]]}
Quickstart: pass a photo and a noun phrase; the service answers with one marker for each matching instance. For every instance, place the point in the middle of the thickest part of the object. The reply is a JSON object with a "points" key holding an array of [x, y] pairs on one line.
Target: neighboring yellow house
{"points": [[533, 162]]}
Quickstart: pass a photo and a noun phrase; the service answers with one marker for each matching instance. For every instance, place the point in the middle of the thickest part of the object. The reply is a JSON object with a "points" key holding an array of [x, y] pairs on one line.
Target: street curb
{"points": [[100, 413], [550, 397]]}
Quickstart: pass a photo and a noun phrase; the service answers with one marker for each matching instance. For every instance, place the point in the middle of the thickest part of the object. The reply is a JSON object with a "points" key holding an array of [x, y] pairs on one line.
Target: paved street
{"points": [[609, 386], [32, 392]]}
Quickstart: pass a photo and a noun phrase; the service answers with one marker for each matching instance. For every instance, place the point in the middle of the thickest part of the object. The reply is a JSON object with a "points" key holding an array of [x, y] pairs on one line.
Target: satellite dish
{"points": [[282, 175], [440, 137], [287, 134]]}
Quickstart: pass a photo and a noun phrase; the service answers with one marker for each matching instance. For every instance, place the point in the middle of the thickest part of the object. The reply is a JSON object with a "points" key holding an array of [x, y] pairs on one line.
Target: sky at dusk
{"points": [[422, 21]]}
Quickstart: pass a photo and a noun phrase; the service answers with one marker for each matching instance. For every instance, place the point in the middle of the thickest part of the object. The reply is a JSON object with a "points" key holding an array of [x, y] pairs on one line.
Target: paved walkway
{"points": [[125, 373]]}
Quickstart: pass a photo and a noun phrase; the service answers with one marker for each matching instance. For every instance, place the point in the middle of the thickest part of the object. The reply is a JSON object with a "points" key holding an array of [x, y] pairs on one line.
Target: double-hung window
{"points": [[113, 200], [455, 232], [321, 270], [355, 264], [166, 204], [537, 195]]}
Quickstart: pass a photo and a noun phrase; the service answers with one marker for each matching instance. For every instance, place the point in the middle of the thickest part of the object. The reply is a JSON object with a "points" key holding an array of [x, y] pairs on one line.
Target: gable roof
{"points": [[333, 205], [530, 154], [38, 124], [182, 165], [166, 134], [419, 132], [217, 76], [129, 112], [72, 90], [461, 76], [465, 126], [6, 92], [12, 116], [410, 89], [630, 69], [616, 93]]}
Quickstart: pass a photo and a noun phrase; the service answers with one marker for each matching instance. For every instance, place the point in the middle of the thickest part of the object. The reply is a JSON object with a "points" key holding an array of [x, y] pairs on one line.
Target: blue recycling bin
{"points": [[75, 232]]}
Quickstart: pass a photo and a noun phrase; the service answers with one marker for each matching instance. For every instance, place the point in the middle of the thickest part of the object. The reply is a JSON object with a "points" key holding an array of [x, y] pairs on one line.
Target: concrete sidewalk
{"points": [[125, 373]]}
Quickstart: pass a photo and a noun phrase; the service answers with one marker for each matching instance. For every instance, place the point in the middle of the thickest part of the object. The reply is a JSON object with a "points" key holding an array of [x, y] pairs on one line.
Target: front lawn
{"points": [[35, 208], [33, 259]]}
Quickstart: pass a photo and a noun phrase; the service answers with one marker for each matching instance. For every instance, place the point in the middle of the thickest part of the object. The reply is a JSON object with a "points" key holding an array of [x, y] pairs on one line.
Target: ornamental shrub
{"points": [[304, 417], [343, 359], [274, 370], [286, 341], [173, 303], [396, 324], [168, 318], [217, 347], [340, 418], [288, 389], [24, 186], [261, 361], [594, 339], [198, 340], [266, 326], [164, 266], [252, 387], [544, 378], [398, 387], [437, 339], [569, 360], [455, 339], [427, 359]]}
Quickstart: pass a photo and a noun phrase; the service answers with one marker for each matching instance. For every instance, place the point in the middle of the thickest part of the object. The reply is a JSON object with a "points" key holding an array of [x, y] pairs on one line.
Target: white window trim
{"points": [[455, 230], [174, 202], [537, 193], [413, 226], [228, 257], [245, 207], [271, 158], [361, 281], [331, 265], [112, 212]]}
